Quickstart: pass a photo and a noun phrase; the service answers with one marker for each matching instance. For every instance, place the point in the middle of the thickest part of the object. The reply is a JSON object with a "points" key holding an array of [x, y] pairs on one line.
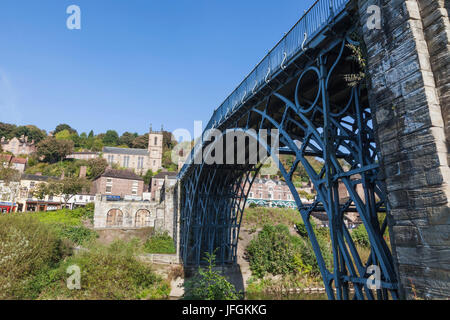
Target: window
{"points": [[110, 159], [126, 161], [32, 184], [134, 189], [250, 194], [140, 163], [156, 141], [109, 183], [270, 196]]}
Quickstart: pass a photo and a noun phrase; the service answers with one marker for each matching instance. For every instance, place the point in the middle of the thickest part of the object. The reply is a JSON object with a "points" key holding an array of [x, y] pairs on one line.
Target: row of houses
{"points": [[113, 184]]}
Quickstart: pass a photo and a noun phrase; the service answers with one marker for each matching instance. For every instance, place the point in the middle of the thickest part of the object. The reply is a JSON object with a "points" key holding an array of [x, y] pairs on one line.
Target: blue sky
{"points": [[134, 62]]}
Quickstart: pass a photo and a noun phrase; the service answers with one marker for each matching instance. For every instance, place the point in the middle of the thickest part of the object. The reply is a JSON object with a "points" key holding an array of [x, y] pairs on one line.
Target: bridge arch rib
{"points": [[317, 114]]}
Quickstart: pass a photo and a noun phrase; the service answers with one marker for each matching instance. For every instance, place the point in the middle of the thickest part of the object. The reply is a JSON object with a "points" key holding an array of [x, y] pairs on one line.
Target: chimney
{"points": [[62, 175], [38, 174], [83, 170]]}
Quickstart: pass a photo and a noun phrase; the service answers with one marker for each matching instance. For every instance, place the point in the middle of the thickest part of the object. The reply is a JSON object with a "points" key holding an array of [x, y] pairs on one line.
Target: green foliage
{"points": [[8, 174], [68, 217], [27, 247], [96, 167], [360, 236], [111, 138], [10, 131], [127, 139], [77, 234], [68, 224], [64, 127], [272, 252], [148, 177], [210, 284], [141, 142], [70, 167], [160, 243], [109, 272], [275, 251], [167, 161], [64, 135], [260, 216], [54, 150]]}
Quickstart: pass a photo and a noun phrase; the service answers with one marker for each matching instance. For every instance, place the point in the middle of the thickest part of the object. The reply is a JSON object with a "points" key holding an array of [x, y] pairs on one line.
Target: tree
{"points": [[97, 167], [30, 131], [8, 174], [148, 177], [62, 127], [111, 138], [67, 188], [63, 135], [7, 130], [53, 150], [141, 142], [127, 139], [91, 134]]}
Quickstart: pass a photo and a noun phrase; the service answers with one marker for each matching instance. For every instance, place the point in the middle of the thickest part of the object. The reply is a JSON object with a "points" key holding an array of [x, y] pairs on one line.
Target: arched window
{"points": [[142, 218], [114, 218], [156, 141]]}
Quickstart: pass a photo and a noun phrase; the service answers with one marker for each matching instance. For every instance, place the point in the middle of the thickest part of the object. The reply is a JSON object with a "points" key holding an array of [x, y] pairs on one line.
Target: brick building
{"points": [[18, 145], [119, 183]]}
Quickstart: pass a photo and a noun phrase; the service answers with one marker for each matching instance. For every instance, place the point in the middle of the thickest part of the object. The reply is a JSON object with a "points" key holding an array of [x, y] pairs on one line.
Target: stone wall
{"points": [[408, 78]]}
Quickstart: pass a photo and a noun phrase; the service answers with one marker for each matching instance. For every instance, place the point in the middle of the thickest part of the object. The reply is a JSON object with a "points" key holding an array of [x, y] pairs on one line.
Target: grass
{"points": [[260, 216], [160, 243], [109, 273]]}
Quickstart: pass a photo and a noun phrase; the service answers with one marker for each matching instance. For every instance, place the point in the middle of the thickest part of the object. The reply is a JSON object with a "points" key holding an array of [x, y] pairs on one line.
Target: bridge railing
{"points": [[284, 52]]}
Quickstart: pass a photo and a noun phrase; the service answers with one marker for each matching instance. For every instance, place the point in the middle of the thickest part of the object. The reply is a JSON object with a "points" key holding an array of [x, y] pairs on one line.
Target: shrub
{"points": [[360, 236], [28, 249], [210, 285], [109, 272], [160, 243], [275, 251], [77, 234]]}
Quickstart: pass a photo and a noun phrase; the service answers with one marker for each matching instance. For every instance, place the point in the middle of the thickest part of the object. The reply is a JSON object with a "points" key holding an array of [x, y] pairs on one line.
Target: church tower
{"points": [[155, 149]]}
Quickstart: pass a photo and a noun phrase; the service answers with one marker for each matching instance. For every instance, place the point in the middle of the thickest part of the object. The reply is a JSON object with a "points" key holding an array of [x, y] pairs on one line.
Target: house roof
{"points": [[9, 158], [130, 151], [35, 177], [121, 174], [162, 175], [6, 157], [19, 160], [84, 152]]}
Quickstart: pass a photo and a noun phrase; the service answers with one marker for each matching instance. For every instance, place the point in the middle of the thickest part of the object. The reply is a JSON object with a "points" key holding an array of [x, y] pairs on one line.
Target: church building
{"points": [[140, 160]]}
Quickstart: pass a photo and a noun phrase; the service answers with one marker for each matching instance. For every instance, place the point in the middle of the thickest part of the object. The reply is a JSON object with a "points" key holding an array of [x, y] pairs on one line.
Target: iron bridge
{"points": [[299, 91]]}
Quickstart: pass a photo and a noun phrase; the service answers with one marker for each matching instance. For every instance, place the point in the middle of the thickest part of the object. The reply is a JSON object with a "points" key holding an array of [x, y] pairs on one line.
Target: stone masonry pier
{"points": [[408, 74]]}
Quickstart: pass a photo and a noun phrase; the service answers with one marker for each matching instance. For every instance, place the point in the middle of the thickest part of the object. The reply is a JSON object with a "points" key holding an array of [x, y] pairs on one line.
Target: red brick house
{"points": [[123, 183]]}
